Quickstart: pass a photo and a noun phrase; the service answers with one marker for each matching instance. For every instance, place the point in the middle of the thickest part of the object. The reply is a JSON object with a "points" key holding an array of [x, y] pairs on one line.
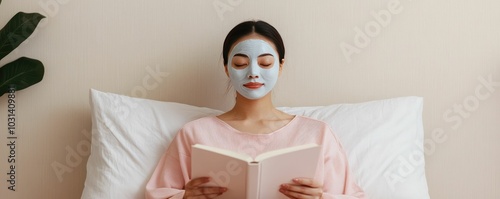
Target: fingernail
{"points": [[296, 180], [223, 189]]}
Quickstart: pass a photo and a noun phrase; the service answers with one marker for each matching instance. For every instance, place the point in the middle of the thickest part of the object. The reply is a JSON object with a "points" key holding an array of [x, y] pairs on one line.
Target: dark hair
{"points": [[248, 27]]}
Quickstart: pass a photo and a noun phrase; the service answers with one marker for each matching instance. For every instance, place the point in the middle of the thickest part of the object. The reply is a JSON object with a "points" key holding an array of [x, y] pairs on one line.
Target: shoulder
{"points": [[304, 120], [197, 130], [204, 122], [311, 125], [314, 125]]}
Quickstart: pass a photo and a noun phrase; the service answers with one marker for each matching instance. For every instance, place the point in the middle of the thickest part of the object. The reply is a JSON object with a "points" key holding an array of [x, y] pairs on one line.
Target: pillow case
{"points": [[383, 141]]}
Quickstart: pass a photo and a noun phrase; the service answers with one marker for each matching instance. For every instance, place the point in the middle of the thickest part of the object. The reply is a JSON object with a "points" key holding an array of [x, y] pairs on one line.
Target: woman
{"points": [[253, 54]]}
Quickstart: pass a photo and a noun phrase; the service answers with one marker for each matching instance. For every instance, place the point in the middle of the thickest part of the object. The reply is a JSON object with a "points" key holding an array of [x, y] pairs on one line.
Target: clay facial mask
{"points": [[253, 68]]}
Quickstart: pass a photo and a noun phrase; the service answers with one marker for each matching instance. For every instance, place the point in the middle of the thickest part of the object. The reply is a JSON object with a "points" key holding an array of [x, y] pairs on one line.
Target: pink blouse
{"points": [[174, 168]]}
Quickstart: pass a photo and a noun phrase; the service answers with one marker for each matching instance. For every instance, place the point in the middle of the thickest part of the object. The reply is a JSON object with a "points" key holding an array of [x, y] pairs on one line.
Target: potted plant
{"points": [[24, 71]]}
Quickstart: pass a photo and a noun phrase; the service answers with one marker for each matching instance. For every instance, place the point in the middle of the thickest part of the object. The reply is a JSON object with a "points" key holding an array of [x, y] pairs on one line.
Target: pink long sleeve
{"points": [[170, 175], [341, 184], [173, 170]]}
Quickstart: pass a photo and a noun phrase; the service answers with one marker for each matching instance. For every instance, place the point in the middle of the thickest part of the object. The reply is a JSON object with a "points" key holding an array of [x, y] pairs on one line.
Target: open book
{"points": [[253, 178]]}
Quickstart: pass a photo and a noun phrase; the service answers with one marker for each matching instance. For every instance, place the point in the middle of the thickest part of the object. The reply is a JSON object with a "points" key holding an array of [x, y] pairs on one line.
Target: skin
{"points": [[256, 116], [194, 189]]}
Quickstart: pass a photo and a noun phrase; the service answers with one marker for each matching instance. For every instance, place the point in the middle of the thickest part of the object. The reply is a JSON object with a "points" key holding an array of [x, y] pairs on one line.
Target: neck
{"points": [[258, 109]]}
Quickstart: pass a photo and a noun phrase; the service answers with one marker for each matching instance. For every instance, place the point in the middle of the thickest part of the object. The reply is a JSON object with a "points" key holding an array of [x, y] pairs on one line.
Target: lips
{"points": [[253, 85]]}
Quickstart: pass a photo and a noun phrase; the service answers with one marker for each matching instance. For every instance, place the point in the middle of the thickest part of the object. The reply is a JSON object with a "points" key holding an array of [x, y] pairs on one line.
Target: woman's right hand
{"points": [[194, 190]]}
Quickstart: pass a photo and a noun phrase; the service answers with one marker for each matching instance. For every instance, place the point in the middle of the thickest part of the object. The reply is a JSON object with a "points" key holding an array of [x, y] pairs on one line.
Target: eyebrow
{"points": [[243, 55], [266, 54]]}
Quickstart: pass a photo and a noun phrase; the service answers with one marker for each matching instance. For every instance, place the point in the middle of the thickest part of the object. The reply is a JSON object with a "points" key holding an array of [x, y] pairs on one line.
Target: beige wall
{"points": [[441, 50]]}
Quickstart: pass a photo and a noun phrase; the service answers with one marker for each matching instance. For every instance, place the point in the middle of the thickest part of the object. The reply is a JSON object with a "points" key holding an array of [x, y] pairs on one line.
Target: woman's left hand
{"points": [[302, 188]]}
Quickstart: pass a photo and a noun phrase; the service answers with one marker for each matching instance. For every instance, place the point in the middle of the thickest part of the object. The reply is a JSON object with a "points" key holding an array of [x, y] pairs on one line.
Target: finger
{"points": [[205, 191], [301, 190], [295, 195], [307, 182], [197, 182], [203, 196]]}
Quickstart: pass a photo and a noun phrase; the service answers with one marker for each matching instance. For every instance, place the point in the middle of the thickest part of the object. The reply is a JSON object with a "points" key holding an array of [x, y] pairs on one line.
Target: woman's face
{"points": [[253, 66]]}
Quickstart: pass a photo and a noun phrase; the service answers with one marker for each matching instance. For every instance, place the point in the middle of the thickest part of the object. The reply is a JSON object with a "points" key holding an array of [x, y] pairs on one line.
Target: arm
{"points": [[170, 174], [171, 178], [339, 182]]}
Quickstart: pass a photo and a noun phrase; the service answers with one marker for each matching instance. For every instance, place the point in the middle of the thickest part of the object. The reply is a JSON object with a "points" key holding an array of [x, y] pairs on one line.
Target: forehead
{"points": [[253, 36], [253, 48]]}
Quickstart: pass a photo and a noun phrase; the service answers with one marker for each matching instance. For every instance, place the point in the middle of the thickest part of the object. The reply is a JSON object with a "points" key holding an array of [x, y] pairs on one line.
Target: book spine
{"points": [[253, 181]]}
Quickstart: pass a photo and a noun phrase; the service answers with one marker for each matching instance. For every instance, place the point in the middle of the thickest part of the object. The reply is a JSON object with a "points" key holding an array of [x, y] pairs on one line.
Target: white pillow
{"points": [[383, 140]]}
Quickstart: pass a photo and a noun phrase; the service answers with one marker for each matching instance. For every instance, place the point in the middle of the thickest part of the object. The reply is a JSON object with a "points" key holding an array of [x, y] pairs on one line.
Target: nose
{"points": [[253, 76], [254, 71]]}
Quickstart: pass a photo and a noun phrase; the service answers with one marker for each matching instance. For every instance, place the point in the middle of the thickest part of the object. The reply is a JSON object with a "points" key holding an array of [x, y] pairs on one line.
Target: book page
{"points": [[283, 167], [224, 170], [278, 152], [224, 152], [230, 169]]}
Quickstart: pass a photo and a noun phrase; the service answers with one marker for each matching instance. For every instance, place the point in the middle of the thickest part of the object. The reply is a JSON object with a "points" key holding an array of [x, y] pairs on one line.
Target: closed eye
{"points": [[240, 65], [266, 60], [240, 61]]}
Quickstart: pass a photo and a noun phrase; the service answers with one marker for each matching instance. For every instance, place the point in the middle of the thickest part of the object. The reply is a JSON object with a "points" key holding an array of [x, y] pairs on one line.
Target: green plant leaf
{"points": [[20, 74], [18, 29]]}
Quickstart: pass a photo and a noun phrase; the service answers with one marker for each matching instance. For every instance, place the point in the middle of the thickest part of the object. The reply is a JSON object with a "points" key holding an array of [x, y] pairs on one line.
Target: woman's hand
{"points": [[302, 188], [194, 190]]}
